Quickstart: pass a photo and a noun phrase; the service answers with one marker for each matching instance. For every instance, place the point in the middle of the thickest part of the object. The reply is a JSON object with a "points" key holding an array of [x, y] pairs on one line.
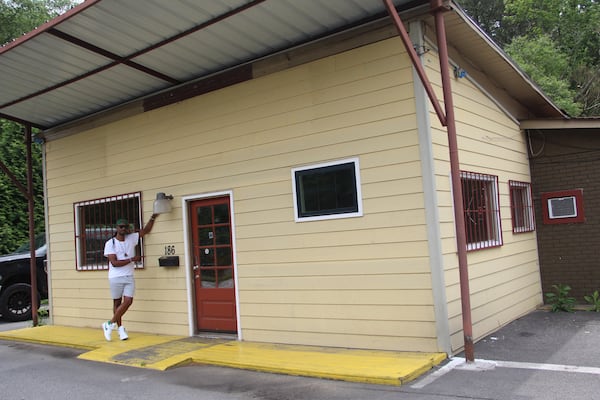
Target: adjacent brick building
{"points": [[565, 165]]}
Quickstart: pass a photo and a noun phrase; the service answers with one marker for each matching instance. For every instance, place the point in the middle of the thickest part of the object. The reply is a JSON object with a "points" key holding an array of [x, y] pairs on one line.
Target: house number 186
{"points": [[169, 250]]}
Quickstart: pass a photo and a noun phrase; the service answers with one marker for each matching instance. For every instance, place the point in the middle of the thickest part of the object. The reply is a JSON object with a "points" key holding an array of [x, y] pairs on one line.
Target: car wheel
{"points": [[15, 302]]}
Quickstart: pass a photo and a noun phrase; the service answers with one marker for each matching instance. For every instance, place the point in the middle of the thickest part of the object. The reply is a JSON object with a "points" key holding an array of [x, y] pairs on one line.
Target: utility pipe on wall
{"points": [[448, 119]]}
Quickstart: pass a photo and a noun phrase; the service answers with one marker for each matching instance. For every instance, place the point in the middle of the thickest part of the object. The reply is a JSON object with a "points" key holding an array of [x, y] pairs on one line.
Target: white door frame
{"points": [[187, 237]]}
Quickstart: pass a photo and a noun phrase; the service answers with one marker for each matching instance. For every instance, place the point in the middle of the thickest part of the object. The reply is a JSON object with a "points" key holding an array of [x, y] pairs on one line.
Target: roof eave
{"points": [[561, 124]]}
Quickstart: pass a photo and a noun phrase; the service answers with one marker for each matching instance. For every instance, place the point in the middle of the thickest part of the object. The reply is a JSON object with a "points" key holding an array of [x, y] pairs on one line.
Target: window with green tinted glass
{"points": [[329, 190]]}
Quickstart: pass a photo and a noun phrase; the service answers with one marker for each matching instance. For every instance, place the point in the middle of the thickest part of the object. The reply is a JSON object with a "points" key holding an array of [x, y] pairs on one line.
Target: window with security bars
{"points": [[95, 224], [482, 210], [521, 207]]}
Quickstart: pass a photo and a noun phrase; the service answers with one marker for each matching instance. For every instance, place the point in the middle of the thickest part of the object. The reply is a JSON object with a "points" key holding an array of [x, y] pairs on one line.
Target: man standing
{"points": [[120, 251]]}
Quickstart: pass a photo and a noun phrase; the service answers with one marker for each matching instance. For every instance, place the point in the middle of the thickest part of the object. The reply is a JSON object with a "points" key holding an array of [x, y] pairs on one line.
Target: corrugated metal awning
{"points": [[105, 53]]}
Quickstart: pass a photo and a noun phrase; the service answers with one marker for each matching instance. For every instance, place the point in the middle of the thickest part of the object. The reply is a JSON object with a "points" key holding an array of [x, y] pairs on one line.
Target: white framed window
{"points": [[95, 224], [481, 206], [521, 206], [327, 191]]}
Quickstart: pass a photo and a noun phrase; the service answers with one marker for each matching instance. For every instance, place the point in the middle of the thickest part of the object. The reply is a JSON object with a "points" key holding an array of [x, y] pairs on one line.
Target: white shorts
{"points": [[122, 286]]}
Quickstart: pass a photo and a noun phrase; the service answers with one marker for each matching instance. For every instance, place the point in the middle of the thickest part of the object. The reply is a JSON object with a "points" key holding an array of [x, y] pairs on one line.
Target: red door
{"points": [[213, 265]]}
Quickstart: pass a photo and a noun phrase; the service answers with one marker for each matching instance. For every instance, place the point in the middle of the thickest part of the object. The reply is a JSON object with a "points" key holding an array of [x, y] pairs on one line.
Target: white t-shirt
{"points": [[123, 250]]}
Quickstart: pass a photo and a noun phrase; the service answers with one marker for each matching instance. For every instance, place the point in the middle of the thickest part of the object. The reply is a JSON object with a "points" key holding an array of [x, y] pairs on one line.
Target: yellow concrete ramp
{"points": [[162, 352]]}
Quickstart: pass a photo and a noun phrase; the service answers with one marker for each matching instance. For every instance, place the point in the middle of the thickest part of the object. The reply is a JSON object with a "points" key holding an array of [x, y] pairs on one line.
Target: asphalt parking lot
{"points": [[542, 355], [545, 337]]}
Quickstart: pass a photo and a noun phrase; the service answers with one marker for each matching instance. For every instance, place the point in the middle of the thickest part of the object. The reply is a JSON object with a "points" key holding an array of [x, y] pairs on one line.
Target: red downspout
{"points": [[33, 261], [459, 216], [448, 120]]}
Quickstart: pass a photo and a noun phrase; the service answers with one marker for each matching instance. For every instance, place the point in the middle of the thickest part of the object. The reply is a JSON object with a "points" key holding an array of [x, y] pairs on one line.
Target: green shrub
{"points": [[560, 299], [594, 300]]}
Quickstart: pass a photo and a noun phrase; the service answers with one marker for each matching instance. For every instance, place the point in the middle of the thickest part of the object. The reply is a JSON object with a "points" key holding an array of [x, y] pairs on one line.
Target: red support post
{"points": [[459, 215], [415, 60], [438, 7], [30, 197]]}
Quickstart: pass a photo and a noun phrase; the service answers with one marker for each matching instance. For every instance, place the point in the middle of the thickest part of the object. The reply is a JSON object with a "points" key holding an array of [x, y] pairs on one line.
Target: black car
{"points": [[15, 280]]}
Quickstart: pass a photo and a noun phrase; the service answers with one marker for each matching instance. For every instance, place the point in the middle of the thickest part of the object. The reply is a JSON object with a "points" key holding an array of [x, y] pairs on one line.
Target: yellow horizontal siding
{"points": [[342, 312], [350, 327], [387, 216], [246, 139], [488, 298], [279, 222], [269, 242], [504, 281], [411, 297], [345, 253], [349, 282], [505, 310], [353, 267]]}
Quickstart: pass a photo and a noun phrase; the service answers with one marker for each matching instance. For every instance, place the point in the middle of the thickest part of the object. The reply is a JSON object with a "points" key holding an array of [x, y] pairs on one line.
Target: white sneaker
{"points": [[123, 333], [107, 328]]}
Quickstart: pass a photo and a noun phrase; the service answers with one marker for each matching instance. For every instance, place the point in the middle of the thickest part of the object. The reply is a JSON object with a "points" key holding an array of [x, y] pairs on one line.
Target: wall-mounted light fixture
{"points": [[162, 204]]}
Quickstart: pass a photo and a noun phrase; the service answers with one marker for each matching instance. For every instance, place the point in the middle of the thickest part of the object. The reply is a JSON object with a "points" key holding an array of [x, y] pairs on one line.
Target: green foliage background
{"points": [[14, 220], [556, 42], [16, 18]]}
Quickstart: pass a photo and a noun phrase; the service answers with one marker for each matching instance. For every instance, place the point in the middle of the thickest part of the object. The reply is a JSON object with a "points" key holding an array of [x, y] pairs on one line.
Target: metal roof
{"points": [[104, 53]]}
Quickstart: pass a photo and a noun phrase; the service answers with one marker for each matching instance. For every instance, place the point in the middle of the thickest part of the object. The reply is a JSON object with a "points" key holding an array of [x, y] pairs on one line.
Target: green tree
{"points": [[532, 55], [550, 28], [488, 14], [16, 18], [14, 220], [571, 24]]}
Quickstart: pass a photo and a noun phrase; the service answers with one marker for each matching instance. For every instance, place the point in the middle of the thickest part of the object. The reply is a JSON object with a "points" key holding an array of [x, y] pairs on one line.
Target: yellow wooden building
{"points": [[312, 200]]}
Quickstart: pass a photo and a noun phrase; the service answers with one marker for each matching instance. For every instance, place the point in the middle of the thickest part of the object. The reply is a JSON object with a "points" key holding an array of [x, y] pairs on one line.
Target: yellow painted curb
{"points": [[381, 367], [112, 351], [79, 338], [162, 352]]}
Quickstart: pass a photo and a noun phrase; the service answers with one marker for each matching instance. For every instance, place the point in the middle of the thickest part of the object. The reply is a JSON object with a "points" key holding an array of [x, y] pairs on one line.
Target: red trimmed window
{"points": [[95, 224], [482, 210], [521, 207], [563, 207]]}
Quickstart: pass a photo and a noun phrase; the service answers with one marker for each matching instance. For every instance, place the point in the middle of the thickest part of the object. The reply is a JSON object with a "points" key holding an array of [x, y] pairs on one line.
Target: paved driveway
{"points": [[546, 337], [542, 355]]}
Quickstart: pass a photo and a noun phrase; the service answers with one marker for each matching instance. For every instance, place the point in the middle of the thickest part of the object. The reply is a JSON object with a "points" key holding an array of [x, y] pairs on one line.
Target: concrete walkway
{"points": [[162, 352]]}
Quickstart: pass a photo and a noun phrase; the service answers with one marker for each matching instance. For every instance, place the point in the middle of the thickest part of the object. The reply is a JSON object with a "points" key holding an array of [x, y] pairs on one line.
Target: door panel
{"points": [[213, 265]]}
